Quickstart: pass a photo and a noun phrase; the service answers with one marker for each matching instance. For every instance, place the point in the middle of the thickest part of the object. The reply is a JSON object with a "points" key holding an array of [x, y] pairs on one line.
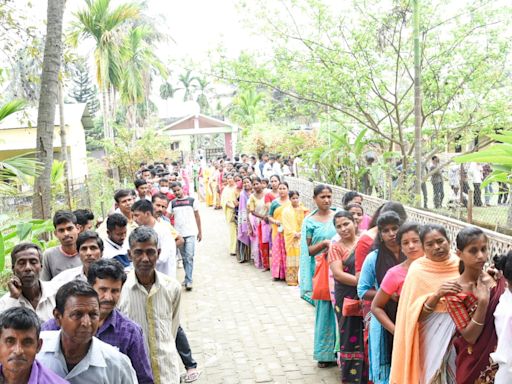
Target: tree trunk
{"points": [[64, 156], [41, 206], [417, 103]]}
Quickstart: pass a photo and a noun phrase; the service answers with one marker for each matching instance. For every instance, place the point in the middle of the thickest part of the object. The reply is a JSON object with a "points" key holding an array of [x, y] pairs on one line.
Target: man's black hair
{"points": [[159, 195], [23, 247], [76, 288], [63, 216], [139, 182], [20, 319], [122, 193], [116, 220], [88, 235], [143, 205], [106, 269], [83, 216]]}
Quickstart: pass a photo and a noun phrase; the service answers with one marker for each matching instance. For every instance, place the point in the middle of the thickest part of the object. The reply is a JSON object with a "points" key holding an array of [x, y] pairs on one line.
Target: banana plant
{"points": [[31, 230]]}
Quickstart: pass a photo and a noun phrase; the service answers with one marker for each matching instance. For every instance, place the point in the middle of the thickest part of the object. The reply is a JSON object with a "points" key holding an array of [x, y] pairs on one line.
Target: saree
{"points": [[420, 350], [278, 267], [380, 341], [261, 231], [244, 241], [292, 222], [325, 321], [229, 196], [207, 177], [353, 367], [473, 361]]}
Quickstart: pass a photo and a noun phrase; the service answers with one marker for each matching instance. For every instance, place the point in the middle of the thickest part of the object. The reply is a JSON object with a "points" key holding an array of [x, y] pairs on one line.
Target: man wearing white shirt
{"points": [[74, 353], [25, 287], [116, 240], [268, 168], [142, 211]]}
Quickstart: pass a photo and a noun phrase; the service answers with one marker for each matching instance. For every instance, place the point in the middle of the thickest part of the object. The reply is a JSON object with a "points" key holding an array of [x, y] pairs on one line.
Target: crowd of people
{"points": [[393, 302], [104, 305]]}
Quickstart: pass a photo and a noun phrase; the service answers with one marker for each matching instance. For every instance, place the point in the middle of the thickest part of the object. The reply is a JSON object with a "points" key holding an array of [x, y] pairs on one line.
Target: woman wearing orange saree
{"points": [[422, 347], [293, 216]]}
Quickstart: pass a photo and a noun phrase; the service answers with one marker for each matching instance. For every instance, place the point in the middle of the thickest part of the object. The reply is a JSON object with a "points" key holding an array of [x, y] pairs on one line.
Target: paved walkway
{"points": [[242, 326]]}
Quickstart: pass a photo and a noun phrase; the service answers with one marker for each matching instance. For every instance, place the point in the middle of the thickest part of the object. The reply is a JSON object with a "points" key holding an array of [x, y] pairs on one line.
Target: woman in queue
{"points": [[472, 310], [408, 237], [353, 367], [257, 214], [317, 232], [422, 346], [385, 256], [275, 213], [229, 201], [293, 217], [244, 239]]}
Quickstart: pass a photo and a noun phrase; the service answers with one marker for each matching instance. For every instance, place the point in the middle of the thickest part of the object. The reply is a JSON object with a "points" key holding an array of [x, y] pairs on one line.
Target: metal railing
{"points": [[498, 243]]}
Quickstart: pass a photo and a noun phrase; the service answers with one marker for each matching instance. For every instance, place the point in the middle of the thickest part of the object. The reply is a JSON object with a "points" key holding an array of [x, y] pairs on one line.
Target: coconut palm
{"points": [[105, 26], [187, 80], [167, 90], [137, 53], [203, 87], [247, 107]]}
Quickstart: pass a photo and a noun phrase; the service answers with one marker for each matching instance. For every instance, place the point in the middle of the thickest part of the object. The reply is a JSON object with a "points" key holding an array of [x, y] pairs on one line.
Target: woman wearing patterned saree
{"points": [[341, 261], [317, 232], [422, 346], [244, 239], [293, 216], [258, 213], [472, 310], [275, 214]]}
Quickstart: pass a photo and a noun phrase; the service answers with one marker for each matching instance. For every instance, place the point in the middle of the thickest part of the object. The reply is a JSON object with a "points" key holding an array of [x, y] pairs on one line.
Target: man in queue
{"points": [[74, 353], [19, 344], [107, 277]]}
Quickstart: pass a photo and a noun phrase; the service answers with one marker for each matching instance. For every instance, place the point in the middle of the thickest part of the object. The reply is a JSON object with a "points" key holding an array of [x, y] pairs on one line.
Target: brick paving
{"points": [[243, 327]]}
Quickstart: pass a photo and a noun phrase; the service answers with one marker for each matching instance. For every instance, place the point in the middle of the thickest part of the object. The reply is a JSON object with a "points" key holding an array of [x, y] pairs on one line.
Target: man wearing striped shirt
{"points": [[152, 299]]}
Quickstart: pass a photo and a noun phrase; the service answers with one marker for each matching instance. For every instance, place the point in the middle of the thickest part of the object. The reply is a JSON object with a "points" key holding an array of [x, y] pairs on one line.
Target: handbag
{"points": [[321, 278], [351, 307]]}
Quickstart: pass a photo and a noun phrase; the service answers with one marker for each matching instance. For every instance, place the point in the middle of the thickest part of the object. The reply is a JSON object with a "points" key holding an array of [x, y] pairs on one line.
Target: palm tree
{"points": [[187, 80], [137, 53], [105, 26], [247, 107], [203, 86], [167, 91]]}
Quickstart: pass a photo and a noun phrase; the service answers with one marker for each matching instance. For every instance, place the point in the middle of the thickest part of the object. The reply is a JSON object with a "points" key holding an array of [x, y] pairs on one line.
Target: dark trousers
{"points": [[184, 349], [424, 193], [477, 197], [503, 193], [438, 194]]}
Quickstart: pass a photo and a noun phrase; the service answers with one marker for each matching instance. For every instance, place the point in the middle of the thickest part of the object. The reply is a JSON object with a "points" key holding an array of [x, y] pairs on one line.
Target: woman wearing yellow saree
{"points": [[207, 175], [229, 200], [293, 216]]}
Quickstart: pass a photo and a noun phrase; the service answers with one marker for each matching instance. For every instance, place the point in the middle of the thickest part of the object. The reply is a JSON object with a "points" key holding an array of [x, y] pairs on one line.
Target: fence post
{"points": [[470, 206]]}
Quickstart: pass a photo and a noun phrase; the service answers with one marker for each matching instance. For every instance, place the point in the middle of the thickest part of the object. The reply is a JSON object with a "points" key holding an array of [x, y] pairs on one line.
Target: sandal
{"points": [[325, 364], [190, 377]]}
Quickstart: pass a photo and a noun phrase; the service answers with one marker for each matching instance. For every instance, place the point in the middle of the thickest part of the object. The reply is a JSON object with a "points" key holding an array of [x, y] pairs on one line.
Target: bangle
{"points": [[477, 323], [428, 307]]}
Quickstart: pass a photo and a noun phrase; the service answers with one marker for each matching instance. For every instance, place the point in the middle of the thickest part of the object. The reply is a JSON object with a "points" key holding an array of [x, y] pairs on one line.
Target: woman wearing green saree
{"points": [[317, 232]]}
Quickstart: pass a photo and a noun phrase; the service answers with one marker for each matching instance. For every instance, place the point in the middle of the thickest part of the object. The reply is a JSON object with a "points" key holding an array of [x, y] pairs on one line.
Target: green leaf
{"points": [[23, 230]]}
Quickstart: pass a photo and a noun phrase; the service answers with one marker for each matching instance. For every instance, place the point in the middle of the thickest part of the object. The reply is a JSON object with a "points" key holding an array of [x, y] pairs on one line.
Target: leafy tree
{"points": [[355, 62], [41, 207], [203, 88], [167, 91], [247, 109], [83, 90], [99, 22]]}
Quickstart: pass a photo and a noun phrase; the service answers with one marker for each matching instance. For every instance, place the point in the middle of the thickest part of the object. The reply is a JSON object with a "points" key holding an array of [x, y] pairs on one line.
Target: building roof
{"points": [[27, 118], [198, 124]]}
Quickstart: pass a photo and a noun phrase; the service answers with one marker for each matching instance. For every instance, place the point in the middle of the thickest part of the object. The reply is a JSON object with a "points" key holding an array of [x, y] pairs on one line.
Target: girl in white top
{"points": [[503, 322]]}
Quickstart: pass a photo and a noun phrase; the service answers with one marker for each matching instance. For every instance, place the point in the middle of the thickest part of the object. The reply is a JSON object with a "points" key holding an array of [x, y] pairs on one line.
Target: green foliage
{"points": [[83, 90], [32, 231], [127, 153], [355, 60]]}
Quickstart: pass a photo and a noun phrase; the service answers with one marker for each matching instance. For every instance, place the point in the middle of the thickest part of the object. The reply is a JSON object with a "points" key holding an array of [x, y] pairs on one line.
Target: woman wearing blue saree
{"points": [[385, 256], [317, 232]]}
